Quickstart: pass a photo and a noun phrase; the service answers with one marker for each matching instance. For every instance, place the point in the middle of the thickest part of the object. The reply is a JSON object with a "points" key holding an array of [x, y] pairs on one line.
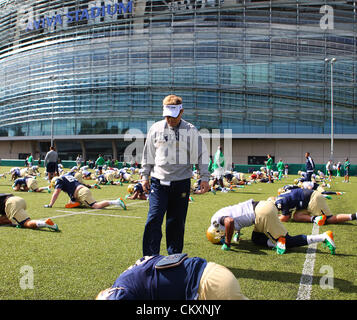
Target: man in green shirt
{"points": [[99, 163], [280, 166], [346, 167], [30, 161], [269, 166]]}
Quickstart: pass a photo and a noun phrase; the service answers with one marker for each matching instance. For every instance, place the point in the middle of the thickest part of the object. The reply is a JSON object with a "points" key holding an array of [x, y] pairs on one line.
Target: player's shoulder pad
{"points": [[170, 261]]}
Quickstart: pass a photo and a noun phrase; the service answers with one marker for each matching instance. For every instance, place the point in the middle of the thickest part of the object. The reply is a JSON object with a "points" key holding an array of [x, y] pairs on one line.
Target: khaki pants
{"points": [[15, 209], [219, 283], [317, 203], [84, 196], [32, 184], [267, 221]]}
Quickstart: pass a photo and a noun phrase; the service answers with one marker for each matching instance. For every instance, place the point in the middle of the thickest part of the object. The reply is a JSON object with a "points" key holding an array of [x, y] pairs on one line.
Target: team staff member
{"points": [[13, 211], [169, 153], [308, 205], [79, 194], [187, 279], [310, 166], [51, 164], [268, 230]]}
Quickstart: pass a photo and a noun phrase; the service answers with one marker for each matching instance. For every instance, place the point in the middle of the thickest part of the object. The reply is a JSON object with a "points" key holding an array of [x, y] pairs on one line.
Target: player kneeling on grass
{"points": [[136, 192], [79, 194], [174, 277], [28, 184], [268, 230], [13, 212], [308, 205]]}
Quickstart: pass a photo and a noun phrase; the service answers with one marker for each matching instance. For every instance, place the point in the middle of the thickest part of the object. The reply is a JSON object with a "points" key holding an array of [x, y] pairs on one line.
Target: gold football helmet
{"points": [[214, 235]]}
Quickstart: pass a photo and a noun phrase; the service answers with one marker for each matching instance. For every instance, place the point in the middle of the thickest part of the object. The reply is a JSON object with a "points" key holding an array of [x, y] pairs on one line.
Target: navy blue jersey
{"points": [[293, 199], [139, 187], [144, 282], [68, 184], [21, 182], [310, 164]]}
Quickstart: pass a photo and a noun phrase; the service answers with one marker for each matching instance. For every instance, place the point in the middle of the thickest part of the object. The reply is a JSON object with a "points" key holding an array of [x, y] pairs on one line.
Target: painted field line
{"points": [[307, 275], [89, 212], [110, 215]]}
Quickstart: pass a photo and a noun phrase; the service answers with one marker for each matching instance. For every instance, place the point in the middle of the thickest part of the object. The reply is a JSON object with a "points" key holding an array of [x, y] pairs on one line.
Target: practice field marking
{"points": [[305, 287], [90, 212]]}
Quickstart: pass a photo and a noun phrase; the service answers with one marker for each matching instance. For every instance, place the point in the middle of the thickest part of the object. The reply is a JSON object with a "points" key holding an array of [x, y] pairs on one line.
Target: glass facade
{"points": [[102, 67]]}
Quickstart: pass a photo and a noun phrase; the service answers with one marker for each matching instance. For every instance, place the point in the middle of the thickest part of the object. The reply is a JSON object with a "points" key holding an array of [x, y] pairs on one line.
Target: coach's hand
{"points": [[146, 186]]}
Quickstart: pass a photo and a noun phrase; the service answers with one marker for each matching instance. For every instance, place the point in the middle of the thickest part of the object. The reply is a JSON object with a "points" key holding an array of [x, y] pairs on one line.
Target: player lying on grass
{"points": [[268, 230], [136, 191], [81, 176], [175, 277], [306, 205], [309, 185], [13, 212], [79, 194], [28, 184]]}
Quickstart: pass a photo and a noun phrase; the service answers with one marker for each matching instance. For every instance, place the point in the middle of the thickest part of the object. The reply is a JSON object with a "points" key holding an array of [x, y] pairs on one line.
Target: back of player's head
{"points": [[53, 181]]}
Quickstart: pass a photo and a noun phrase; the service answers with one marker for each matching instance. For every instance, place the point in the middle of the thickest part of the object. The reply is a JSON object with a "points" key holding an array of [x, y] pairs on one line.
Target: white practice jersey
{"points": [[242, 213]]}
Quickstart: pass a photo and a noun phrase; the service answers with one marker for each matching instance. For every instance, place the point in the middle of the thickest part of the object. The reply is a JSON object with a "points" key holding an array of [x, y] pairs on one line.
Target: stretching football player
{"points": [[136, 192], [79, 194], [28, 184], [268, 230], [175, 277], [307, 205], [13, 212]]}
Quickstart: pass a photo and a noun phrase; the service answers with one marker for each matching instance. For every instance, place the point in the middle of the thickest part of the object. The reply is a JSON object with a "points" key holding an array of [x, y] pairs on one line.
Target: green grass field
{"points": [[94, 246]]}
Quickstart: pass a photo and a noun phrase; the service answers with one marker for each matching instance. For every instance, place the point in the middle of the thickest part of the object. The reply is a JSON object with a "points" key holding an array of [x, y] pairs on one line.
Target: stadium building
{"points": [[82, 73]]}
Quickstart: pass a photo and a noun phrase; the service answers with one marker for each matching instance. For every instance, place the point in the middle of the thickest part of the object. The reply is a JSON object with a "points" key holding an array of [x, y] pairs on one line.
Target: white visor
{"points": [[171, 110]]}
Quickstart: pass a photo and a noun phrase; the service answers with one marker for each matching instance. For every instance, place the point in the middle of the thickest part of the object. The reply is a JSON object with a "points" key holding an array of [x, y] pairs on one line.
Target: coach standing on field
{"points": [[51, 163], [310, 166], [172, 146]]}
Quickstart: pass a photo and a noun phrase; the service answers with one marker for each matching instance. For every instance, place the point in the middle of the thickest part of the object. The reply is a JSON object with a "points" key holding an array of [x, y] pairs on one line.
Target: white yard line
{"points": [[307, 275], [90, 212]]}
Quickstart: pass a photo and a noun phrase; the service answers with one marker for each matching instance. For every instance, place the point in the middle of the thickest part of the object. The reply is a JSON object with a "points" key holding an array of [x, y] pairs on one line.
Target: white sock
{"points": [[270, 243], [315, 238], [113, 202], [40, 223]]}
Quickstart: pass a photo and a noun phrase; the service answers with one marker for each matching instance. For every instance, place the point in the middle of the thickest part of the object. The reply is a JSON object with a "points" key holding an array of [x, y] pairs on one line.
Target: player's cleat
{"points": [[328, 197], [72, 205], [280, 246], [96, 186], [213, 190], [339, 193], [121, 203], [329, 242], [50, 224], [190, 199], [320, 220], [225, 247], [48, 190]]}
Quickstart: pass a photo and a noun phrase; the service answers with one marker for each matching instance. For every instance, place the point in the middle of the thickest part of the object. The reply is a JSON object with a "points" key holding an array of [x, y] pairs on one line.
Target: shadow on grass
{"points": [[290, 277]]}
